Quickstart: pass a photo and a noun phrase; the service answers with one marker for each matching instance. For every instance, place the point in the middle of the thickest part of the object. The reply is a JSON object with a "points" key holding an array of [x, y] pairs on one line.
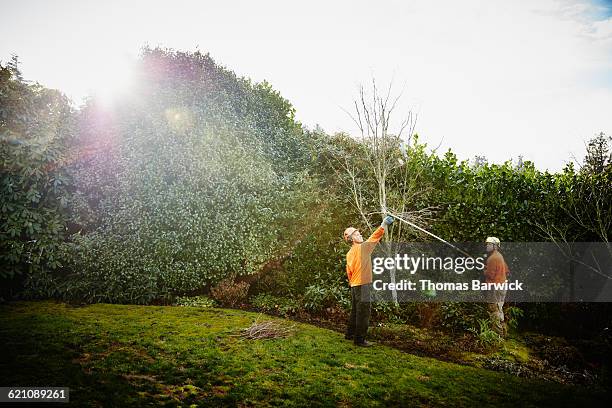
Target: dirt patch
{"points": [[138, 378], [86, 358]]}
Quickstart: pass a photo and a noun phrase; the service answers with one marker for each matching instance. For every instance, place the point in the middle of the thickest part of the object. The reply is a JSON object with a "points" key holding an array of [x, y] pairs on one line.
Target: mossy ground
{"points": [[525, 354], [120, 355]]}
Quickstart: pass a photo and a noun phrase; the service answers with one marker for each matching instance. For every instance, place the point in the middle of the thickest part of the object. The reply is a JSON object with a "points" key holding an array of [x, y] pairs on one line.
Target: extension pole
{"points": [[429, 233]]}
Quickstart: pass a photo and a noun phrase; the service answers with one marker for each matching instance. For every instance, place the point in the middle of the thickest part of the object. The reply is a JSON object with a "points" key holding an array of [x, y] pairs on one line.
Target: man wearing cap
{"points": [[359, 273], [496, 272]]}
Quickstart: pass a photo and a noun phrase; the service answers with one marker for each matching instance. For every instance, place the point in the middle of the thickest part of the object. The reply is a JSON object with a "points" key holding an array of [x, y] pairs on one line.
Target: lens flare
{"points": [[114, 80], [179, 119]]}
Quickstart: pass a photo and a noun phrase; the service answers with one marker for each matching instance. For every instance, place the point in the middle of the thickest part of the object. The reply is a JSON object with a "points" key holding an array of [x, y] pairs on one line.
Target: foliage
{"points": [[465, 202], [318, 297], [462, 317], [228, 292], [486, 337], [199, 175], [393, 312], [282, 306], [512, 316], [195, 176], [599, 154], [573, 320], [195, 301], [516, 203], [36, 129], [318, 259]]}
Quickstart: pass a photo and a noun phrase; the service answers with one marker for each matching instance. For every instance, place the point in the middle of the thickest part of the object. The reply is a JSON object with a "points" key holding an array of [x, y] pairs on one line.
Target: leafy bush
{"points": [[273, 280], [104, 270], [317, 258], [485, 336], [462, 317], [318, 297], [342, 297], [36, 130], [396, 313], [315, 298], [276, 305], [513, 315], [197, 175], [195, 301], [230, 293]]}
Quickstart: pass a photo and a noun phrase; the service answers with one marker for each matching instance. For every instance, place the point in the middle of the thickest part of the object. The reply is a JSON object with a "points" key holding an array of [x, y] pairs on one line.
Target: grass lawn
{"points": [[120, 355]]}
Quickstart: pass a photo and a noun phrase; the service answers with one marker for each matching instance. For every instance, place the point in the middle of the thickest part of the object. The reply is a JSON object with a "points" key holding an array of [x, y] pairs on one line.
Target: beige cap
{"points": [[348, 232], [493, 240]]}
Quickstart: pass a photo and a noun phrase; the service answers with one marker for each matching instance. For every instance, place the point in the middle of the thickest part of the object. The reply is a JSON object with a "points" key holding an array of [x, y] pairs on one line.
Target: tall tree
{"points": [[36, 128], [599, 154]]}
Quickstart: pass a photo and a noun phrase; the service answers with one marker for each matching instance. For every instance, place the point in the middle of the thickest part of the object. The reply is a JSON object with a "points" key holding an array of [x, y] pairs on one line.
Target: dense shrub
{"points": [[279, 305], [462, 317], [487, 338], [228, 292], [36, 129], [397, 313], [513, 315], [318, 297], [195, 301], [195, 176]]}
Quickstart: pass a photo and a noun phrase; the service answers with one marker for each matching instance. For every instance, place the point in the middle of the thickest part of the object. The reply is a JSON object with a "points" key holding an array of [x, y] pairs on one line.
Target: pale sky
{"points": [[493, 78]]}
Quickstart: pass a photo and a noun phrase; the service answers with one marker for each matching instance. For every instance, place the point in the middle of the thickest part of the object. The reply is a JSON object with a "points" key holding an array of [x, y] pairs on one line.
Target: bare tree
{"points": [[385, 152], [381, 161]]}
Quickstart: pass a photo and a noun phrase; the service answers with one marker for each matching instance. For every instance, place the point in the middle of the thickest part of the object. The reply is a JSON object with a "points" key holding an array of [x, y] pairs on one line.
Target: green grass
{"points": [[119, 355]]}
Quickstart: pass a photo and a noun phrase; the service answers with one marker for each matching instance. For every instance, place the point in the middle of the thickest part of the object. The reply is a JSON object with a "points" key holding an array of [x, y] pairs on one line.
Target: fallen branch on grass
{"points": [[266, 330]]}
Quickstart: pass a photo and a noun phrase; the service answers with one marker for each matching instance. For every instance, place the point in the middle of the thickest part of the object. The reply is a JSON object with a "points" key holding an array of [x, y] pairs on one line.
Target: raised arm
{"points": [[368, 246], [380, 231]]}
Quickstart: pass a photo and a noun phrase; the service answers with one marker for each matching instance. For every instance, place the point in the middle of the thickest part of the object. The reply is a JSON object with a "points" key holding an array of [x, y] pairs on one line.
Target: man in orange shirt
{"points": [[496, 272], [359, 273]]}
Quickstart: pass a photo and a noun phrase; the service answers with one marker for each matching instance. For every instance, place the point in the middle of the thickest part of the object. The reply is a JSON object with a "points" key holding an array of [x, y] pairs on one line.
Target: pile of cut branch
{"points": [[268, 329]]}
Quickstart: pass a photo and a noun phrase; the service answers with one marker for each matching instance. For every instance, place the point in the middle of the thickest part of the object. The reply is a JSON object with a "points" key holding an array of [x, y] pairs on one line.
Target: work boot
{"points": [[364, 343]]}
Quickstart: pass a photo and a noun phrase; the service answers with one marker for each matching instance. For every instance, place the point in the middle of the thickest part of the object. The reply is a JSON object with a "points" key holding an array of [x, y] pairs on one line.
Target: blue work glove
{"points": [[387, 221]]}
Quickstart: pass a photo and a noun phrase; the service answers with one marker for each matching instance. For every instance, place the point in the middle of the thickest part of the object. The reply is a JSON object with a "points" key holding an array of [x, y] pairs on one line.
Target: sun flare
{"points": [[114, 80]]}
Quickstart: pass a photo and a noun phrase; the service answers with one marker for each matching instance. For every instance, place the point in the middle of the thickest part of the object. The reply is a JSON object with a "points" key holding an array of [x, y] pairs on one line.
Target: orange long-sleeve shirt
{"points": [[497, 270], [358, 262]]}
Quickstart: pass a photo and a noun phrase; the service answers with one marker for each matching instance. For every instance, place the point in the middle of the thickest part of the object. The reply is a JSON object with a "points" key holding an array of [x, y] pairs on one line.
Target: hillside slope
{"points": [[118, 355]]}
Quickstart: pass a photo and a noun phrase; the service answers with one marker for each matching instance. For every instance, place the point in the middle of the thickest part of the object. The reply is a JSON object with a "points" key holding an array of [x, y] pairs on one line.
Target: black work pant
{"points": [[360, 313]]}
